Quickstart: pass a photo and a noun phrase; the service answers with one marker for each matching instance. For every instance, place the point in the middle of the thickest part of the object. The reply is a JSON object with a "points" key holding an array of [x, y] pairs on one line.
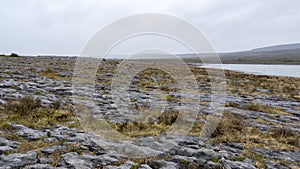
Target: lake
{"points": [[272, 70]]}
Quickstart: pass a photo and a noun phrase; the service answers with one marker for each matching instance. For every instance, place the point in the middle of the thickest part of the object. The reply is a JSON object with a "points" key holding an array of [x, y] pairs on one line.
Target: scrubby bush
{"points": [[231, 124], [287, 136], [23, 106], [14, 55], [48, 70], [29, 112], [168, 117]]}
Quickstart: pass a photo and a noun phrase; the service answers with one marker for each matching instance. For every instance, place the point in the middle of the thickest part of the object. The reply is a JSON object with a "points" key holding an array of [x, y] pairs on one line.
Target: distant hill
{"points": [[279, 54], [285, 47]]}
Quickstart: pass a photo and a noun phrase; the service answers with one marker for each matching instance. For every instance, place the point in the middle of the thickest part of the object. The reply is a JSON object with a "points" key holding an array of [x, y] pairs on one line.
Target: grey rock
{"points": [[144, 166], [50, 139], [61, 74], [27, 133], [262, 90], [126, 165], [203, 153], [39, 166], [236, 165], [52, 149], [8, 83], [233, 147], [163, 164], [179, 159], [72, 160], [186, 162], [45, 160], [2, 102], [13, 95], [18, 160], [46, 102], [272, 165], [191, 143], [4, 149], [102, 160], [226, 154], [61, 131], [136, 151], [5, 142], [212, 165], [279, 155]]}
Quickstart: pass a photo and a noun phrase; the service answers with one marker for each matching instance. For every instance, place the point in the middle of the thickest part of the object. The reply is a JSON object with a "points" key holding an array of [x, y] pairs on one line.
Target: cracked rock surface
{"points": [[48, 79]]}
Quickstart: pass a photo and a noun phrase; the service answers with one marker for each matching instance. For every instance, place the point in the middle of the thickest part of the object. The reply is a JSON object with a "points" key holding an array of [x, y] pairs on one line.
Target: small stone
{"points": [[236, 165], [126, 165], [39, 166], [51, 150], [5, 142], [50, 139], [163, 164], [4, 149], [72, 160], [145, 166], [45, 160], [279, 155], [27, 133]]}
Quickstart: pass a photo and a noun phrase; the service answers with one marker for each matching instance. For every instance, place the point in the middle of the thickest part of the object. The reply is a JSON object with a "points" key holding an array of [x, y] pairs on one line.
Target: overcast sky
{"points": [[63, 27]]}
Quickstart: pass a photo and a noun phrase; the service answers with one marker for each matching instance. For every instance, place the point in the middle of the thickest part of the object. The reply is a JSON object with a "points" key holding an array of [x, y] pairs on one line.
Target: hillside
{"points": [[280, 54]]}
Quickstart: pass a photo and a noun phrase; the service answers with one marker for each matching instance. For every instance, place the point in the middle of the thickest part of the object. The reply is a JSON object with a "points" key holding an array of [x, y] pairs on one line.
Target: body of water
{"points": [[272, 70]]}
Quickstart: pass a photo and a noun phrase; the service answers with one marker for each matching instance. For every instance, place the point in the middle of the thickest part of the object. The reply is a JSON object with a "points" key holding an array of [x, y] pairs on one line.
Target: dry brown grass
{"points": [[48, 72], [265, 109], [28, 112], [233, 128], [23, 106], [230, 129]]}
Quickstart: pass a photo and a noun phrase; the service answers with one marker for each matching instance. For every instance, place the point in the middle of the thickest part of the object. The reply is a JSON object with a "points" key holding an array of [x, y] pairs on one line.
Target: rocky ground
{"points": [[40, 128]]}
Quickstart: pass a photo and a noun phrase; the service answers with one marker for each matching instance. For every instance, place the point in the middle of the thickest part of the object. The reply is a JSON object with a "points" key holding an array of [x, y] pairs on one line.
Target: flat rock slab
{"points": [[18, 160], [279, 155], [236, 165], [27, 133], [12, 144], [4, 149]]}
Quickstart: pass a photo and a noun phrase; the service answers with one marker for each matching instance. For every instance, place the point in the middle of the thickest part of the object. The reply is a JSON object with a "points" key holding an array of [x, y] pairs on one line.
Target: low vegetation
{"points": [[233, 128], [29, 112], [265, 109], [14, 55]]}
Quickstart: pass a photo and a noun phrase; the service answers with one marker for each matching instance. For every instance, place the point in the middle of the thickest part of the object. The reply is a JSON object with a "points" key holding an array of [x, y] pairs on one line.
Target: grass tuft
{"points": [[265, 109]]}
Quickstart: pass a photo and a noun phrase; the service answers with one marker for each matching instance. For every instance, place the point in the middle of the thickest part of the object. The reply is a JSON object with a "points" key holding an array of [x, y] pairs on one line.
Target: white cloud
{"points": [[63, 27]]}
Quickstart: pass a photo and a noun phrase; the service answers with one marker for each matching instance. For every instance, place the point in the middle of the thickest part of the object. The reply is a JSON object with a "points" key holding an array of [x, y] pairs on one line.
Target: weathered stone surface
{"points": [[4, 149], [19, 77], [133, 150], [272, 165], [5, 142], [28, 133], [39, 166], [144, 166], [52, 149], [45, 160], [202, 153], [163, 164], [72, 160], [188, 162], [18, 160], [126, 165], [279, 155], [236, 165]]}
